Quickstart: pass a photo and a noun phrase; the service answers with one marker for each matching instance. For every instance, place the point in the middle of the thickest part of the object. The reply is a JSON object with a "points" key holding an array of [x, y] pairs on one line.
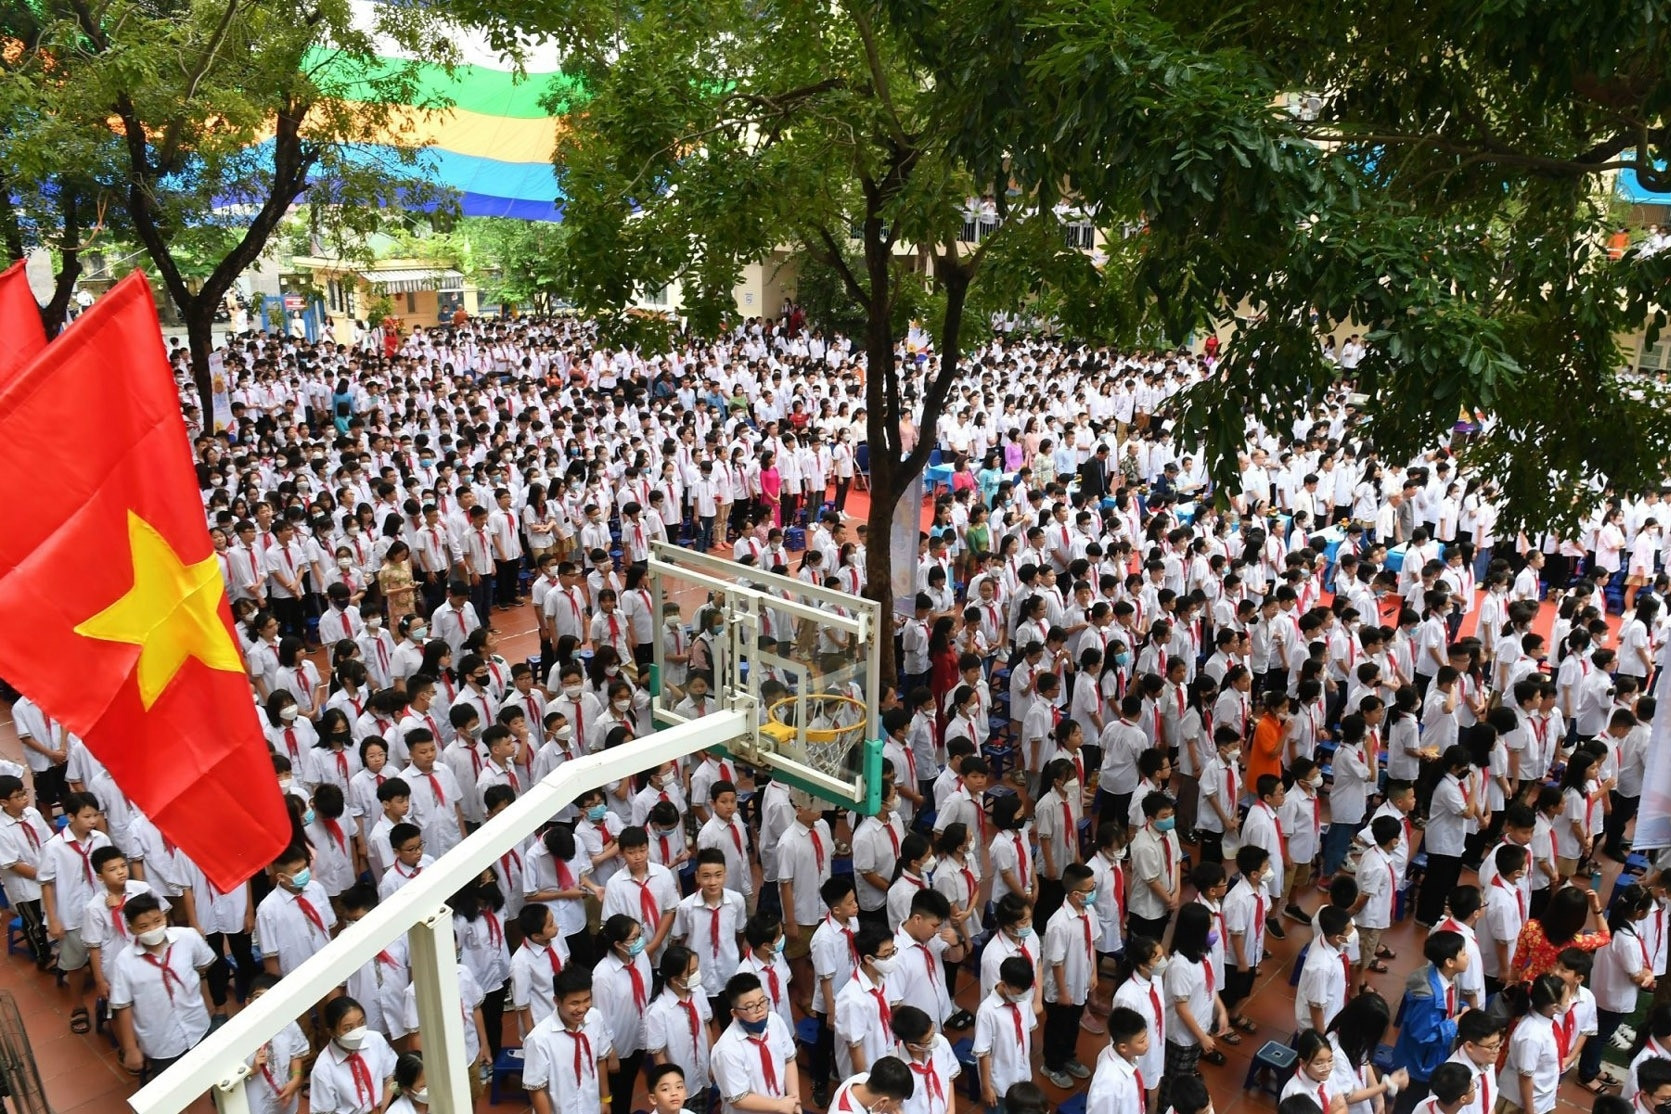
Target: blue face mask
{"points": [[597, 812], [307, 817], [637, 946], [754, 1027], [301, 878], [1166, 825]]}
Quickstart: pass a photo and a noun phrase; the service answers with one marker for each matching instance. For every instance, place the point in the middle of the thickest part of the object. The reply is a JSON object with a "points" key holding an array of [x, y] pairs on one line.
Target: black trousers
{"points": [[1624, 810], [481, 598], [1143, 926], [624, 1082], [1061, 1032], [222, 973], [1049, 900], [288, 611], [1443, 872], [505, 582], [823, 1052], [493, 1013], [34, 931]]}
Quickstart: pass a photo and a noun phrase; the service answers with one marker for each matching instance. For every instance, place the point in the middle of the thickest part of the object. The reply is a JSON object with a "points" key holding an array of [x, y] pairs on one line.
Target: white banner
{"points": [[1653, 821], [903, 545]]}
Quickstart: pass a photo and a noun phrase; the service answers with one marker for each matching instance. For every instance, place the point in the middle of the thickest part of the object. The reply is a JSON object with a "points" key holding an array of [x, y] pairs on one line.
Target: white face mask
{"points": [[928, 865], [622, 705], [1157, 967], [152, 937], [572, 691], [288, 715], [374, 622], [1071, 789], [885, 966], [420, 1096], [345, 562], [562, 733], [352, 1039]]}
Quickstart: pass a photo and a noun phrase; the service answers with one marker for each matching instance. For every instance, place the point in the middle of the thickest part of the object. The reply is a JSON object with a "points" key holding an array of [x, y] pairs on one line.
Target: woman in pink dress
{"points": [[771, 488]]}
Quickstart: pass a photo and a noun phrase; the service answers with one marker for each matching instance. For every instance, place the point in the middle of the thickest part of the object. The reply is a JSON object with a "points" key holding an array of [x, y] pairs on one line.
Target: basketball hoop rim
{"points": [[822, 734]]}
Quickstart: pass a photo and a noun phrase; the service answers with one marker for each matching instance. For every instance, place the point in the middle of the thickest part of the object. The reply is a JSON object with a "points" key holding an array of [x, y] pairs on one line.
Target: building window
{"points": [[1655, 359], [411, 302]]}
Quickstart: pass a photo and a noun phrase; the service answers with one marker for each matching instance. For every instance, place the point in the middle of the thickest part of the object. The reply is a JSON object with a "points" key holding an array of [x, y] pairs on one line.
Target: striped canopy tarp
{"points": [[493, 147]]}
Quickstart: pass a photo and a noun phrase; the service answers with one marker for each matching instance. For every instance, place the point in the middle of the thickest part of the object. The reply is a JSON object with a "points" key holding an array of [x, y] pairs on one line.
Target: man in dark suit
{"points": [[1095, 478]]}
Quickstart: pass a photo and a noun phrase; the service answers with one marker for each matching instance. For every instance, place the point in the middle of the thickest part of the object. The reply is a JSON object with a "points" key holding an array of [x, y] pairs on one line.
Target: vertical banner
{"points": [[903, 545], [220, 392], [1653, 821]]}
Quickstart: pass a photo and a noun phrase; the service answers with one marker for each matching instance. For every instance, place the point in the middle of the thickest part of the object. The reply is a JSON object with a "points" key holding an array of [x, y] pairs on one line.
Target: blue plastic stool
{"points": [[964, 1050], [1270, 1068], [1073, 1104], [16, 942], [806, 1031], [508, 1064], [1299, 964]]}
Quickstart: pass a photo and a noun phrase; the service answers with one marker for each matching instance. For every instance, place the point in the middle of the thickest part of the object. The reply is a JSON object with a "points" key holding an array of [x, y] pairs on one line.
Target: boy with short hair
{"points": [[296, 918], [395, 797], [1070, 974], [1003, 1046], [667, 1092], [157, 994], [726, 832], [1431, 1007], [561, 1058], [1118, 1086], [645, 891], [710, 921], [68, 882], [23, 835], [1479, 1039], [103, 927]]}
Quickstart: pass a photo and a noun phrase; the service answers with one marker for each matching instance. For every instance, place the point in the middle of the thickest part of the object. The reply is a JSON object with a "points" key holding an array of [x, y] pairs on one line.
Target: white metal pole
{"points": [[230, 1095], [297, 993], [440, 1017]]}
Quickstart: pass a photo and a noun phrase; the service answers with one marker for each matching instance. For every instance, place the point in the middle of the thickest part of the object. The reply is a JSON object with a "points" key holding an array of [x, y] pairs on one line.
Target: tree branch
{"points": [[171, 142], [832, 255], [878, 74]]}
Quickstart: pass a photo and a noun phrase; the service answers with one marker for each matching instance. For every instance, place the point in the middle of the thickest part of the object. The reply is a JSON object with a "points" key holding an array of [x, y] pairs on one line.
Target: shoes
{"points": [[1274, 927], [1077, 1069], [1060, 1079], [1296, 914], [962, 1019]]}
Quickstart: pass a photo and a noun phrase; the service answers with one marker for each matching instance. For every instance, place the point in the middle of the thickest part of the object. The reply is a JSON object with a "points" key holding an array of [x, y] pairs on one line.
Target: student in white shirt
{"points": [[754, 1058], [565, 1057], [1531, 1075], [1193, 1010], [354, 1073], [1004, 1025], [1621, 971], [1118, 1086], [1453, 1089], [157, 994], [864, 1005], [678, 1024]]}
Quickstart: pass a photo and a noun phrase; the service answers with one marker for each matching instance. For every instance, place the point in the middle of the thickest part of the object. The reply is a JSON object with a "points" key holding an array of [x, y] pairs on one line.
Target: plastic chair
{"points": [[861, 466], [964, 1050], [1270, 1068]]}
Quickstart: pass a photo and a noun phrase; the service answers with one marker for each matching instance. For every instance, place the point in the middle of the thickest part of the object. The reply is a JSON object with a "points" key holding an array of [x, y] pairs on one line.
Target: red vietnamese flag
{"points": [[20, 322], [113, 615]]}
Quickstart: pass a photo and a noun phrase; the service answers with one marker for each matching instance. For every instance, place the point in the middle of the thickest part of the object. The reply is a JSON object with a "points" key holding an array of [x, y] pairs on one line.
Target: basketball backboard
{"points": [[800, 659]]}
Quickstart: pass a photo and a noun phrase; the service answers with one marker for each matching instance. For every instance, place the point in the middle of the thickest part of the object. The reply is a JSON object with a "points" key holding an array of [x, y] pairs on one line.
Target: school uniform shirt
{"points": [[1056, 822], [676, 1029], [1301, 816], [732, 840], [1485, 1084], [759, 1065], [1148, 998], [484, 949], [773, 974], [649, 797], [104, 927], [435, 796], [1625, 956], [1378, 882], [333, 853], [1004, 1034], [919, 978], [67, 863], [293, 926], [22, 839], [1535, 1053], [875, 850], [1220, 784], [1070, 943], [834, 957], [465, 760], [932, 1091], [1653, 1049], [265, 1083], [957, 806], [646, 900], [863, 1017], [534, 968], [1446, 829], [345, 1082], [564, 1063], [399, 874], [1323, 983], [1154, 858], [804, 859], [711, 932], [470, 998], [1348, 795], [1192, 984], [1505, 916], [1110, 903], [1012, 852], [1117, 1086], [1262, 828], [162, 989], [621, 990], [1302, 1084]]}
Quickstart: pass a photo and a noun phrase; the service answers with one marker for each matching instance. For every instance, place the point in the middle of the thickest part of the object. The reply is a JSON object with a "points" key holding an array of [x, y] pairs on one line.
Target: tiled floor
{"points": [[82, 1076]]}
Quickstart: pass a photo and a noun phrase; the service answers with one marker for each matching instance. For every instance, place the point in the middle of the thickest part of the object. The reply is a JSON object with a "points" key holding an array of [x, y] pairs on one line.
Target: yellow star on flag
{"points": [[171, 613]]}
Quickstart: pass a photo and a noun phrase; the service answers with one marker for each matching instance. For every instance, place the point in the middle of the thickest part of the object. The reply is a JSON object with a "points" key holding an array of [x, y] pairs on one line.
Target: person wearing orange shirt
{"points": [[1265, 755]]}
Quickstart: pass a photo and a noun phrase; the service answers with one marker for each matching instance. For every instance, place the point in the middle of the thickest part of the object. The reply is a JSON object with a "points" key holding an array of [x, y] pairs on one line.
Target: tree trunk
{"points": [[887, 484], [199, 315]]}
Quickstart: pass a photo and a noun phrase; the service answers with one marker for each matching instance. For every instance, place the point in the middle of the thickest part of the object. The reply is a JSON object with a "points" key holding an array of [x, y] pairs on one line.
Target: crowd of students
{"points": [[1135, 733]]}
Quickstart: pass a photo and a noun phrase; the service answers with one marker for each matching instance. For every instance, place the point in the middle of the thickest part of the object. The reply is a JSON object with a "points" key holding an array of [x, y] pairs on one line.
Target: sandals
{"points": [[80, 1021], [1230, 1037], [1215, 1058], [1596, 1086], [1377, 966], [1245, 1024], [1385, 953]]}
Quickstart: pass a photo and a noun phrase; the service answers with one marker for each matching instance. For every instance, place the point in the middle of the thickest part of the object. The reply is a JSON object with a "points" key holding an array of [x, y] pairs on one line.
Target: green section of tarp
{"points": [[469, 88]]}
